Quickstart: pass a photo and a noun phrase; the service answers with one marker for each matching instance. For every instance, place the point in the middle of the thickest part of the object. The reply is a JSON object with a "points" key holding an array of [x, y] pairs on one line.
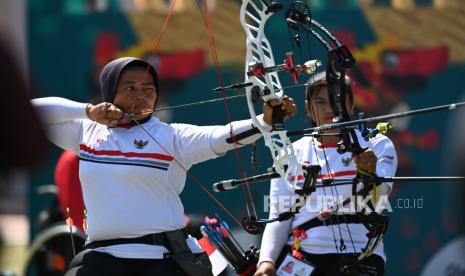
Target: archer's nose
{"points": [[328, 111], [139, 95]]}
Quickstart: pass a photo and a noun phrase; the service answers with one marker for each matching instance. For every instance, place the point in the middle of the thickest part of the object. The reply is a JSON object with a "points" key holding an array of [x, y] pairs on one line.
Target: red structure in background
{"points": [[69, 187]]}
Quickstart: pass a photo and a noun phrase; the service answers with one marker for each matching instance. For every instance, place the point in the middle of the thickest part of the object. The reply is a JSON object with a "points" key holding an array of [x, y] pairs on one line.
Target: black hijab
{"points": [[111, 73]]}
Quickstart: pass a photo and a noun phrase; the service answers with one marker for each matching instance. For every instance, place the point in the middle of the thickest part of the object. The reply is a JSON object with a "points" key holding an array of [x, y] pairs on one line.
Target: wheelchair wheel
{"points": [[52, 251]]}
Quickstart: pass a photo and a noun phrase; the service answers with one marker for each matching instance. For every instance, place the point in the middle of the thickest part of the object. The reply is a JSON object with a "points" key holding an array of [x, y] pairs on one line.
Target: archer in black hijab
{"points": [[111, 74]]}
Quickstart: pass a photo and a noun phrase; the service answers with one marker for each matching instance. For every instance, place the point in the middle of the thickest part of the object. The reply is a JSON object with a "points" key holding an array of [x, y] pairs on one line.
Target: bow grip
{"points": [[277, 119]]}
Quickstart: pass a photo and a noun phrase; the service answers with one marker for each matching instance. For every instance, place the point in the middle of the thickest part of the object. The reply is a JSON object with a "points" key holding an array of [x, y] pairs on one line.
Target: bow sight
{"points": [[309, 67]]}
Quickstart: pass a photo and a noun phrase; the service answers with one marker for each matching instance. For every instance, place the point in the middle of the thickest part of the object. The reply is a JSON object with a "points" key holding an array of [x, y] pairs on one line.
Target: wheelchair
{"points": [[55, 245]]}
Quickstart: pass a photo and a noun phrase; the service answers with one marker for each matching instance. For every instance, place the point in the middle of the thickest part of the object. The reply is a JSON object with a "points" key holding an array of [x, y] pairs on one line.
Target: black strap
{"points": [[237, 137], [150, 239], [323, 262], [277, 117], [333, 219]]}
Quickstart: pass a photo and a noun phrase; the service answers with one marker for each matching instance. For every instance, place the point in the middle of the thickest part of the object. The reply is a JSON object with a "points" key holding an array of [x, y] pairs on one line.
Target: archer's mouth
{"points": [[328, 119], [139, 109]]}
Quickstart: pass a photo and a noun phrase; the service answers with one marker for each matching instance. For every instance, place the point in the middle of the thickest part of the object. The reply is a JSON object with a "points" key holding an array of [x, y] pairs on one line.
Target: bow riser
{"points": [[253, 17]]}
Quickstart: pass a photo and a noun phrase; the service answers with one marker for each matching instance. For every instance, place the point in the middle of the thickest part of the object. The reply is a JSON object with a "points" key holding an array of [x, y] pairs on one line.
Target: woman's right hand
{"points": [[107, 114], [265, 269]]}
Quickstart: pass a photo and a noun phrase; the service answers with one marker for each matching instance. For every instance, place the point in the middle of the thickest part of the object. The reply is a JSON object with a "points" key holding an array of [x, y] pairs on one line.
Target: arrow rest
{"points": [[368, 133]]}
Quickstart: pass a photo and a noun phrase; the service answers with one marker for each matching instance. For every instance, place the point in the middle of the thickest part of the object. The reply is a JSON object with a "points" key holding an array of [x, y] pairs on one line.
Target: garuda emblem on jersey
{"points": [[346, 161], [140, 144]]}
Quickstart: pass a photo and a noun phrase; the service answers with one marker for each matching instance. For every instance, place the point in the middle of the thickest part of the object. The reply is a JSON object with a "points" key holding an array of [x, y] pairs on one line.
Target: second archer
{"points": [[333, 245]]}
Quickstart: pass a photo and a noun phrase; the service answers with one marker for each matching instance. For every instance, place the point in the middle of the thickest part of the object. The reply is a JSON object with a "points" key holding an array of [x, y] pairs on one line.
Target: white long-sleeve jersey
{"points": [[131, 183], [320, 240]]}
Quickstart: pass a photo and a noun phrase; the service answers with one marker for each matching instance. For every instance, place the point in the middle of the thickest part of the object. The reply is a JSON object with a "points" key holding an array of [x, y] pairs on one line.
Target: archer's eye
{"points": [[149, 89], [129, 88]]}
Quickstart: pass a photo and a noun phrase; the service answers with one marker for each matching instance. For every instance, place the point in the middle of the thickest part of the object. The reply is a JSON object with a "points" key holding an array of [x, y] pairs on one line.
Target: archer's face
{"points": [[320, 110], [135, 92]]}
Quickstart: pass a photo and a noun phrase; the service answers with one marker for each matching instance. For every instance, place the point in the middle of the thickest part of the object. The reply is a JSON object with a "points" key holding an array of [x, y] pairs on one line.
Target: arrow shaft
{"points": [[377, 118]]}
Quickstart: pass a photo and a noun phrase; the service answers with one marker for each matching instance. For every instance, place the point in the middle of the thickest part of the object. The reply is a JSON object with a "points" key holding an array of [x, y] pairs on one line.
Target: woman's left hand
{"points": [[288, 106], [366, 162]]}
